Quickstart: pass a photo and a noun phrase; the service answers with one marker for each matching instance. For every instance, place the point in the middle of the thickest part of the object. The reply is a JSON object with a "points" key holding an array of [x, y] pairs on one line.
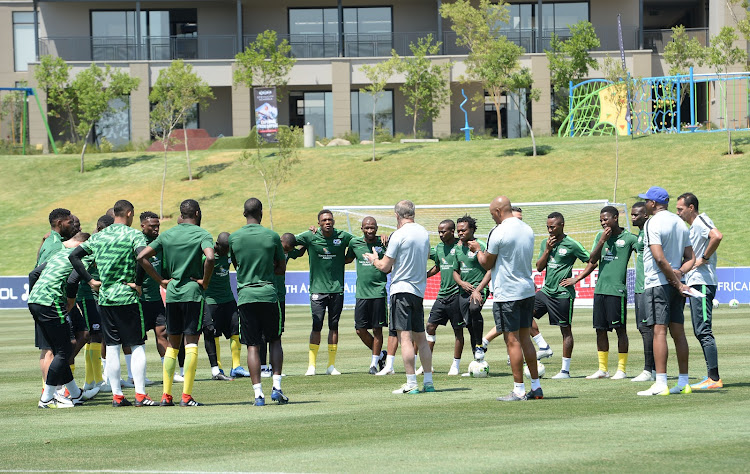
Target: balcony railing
{"points": [[656, 40]]}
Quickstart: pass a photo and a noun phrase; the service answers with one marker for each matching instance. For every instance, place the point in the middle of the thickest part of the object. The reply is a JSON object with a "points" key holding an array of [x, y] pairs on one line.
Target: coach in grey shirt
{"points": [[667, 256], [406, 259], [509, 253]]}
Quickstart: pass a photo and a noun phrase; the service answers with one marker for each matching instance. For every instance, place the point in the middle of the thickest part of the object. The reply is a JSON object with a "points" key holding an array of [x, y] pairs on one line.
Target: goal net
{"points": [[581, 224]]}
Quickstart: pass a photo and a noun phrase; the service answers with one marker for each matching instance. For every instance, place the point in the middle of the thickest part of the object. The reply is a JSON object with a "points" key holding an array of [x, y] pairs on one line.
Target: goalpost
{"points": [[581, 224]]}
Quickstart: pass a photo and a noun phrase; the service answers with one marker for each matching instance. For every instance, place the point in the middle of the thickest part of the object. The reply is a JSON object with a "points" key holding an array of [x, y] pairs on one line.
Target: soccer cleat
{"points": [[178, 378], [279, 397], [259, 402], [599, 374], [655, 389], [373, 370], [90, 393], [89, 386], [453, 370], [381, 361], [144, 402], [466, 374], [149, 382], [105, 388], [512, 397], [310, 370], [406, 388], [127, 383], [239, 371], [479, 353], [428, 388], [122, 403], [544, 353], [49, 404], [645, 376], [677, 390], [190, 402], [68, 401], [619, 375], [537, 394], [166, 401], [266, 373], [708, 384], [563, 374], [332, 370], [387, 371], [221, 376], [420, 371]]}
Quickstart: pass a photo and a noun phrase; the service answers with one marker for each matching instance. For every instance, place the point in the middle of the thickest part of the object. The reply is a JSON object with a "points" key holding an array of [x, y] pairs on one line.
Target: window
{"points": [[362, 113], [24, 50], [318, 108], [522, 27]]}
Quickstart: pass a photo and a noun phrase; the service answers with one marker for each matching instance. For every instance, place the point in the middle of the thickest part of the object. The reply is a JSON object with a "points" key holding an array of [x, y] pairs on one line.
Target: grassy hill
{"points": [[442, 173]]}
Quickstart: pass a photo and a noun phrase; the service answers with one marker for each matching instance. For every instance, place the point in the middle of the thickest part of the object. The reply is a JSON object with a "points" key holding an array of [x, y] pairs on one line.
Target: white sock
{"points": [[456, 363], [566, 364], [682, 380], [661, 379], [277, 382], [73, 389], [128, 358], [49, 392], [138, 359], [535, 384], [182, 371], [485, 343], [374, 361], [389, 362], [215, 370], [263, 367], [104, 366], [411, 379], [519, 388], [258, 388], [539, 340], [428, 377], [162, 361], [113, 369], [416, 359]]}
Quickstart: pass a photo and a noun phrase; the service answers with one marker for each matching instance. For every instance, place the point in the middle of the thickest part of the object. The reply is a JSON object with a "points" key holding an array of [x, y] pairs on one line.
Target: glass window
{"points": [[24, 50], [362, 113], [318, 112], [567, 14], [115, 126]]}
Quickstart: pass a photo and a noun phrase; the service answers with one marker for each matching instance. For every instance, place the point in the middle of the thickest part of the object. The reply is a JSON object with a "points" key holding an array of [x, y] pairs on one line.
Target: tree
{"points": [[618, 94], [276, 168], [569, 60], [11, 108], [683, 52], [720, 56], [266, 62], [425, 87], [180, 89], [53, 77], [520, 83], [378, 75]]}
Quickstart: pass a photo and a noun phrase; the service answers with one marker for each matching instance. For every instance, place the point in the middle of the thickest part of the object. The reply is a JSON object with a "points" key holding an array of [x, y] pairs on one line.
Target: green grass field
{"points": [[352, 423], [441, 173]]}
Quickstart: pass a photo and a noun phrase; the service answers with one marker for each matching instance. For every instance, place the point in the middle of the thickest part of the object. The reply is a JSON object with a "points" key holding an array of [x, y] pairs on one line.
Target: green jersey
{"points": [[50, 246], [182, 260], [114, 249], [84, 290], [560, 266], [327, 257], [613, 264], [279, 281], [468, 266], [254, 249], [639, 275], [444, 257], [370, 280], [51, 287], [219, 289], [152, 288]]}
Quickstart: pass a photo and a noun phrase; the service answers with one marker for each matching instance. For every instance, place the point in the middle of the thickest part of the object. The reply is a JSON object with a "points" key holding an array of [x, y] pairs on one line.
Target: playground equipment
{"points": [[467, 130], [24, 123]]}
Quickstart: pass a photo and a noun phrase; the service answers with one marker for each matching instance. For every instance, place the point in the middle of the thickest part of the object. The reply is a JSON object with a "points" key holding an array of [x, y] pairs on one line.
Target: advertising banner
{"points": [[266, 113]]}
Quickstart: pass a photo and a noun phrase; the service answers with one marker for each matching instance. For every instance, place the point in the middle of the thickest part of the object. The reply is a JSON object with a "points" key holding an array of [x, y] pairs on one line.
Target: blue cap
{"points": [[656, 194]]}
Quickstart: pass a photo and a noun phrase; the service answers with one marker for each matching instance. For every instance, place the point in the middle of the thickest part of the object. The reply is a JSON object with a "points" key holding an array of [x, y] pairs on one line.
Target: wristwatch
{"points": [[705, 257]]}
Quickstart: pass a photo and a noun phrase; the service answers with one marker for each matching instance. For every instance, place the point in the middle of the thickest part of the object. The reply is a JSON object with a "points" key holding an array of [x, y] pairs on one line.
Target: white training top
{"points": [[513, 243], [409, 247], [666, 229], [706, 273]]}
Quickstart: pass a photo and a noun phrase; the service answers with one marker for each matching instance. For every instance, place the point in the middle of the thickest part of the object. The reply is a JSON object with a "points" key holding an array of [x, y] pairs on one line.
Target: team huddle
{"points": [[102, 293]]}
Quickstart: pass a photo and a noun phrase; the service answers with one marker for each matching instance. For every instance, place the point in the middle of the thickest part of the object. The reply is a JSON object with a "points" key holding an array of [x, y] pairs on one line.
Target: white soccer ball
{"points": [[539, 367], [716, 304], [479, 369], [734, 304]]}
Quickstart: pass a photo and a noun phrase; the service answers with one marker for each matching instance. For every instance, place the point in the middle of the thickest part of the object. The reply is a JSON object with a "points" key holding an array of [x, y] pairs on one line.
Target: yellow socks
{"points": [[218, 353], [332, 348], [73, 370], [236, 347], [313, 354], [191, 363], [622, 360], [170, 362], [88, 368], [603, 360], [96, 362]]}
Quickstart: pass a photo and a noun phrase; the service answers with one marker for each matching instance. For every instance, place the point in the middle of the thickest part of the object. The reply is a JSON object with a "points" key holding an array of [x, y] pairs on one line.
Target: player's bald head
{"points": [[369, 220], [223, 239], [500, 208]]}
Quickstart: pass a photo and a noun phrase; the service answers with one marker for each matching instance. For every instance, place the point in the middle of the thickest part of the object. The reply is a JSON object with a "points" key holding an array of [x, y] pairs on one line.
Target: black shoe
{"points": [[373, 370], [221, 376], [146, 402], [381, 361], [166, 401], [190, 403], [535, 394], [123, 403]]}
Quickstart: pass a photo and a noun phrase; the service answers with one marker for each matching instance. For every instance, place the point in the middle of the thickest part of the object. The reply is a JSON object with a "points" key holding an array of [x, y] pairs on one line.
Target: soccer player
{"points": [[114, 250], [183, 248], [705, 239], [406, 258], [668, 256], [370, 312], [327, 256], [613, 246], [557, 255], [638, 216], [472, 280], [257, 255], [50, 284], [221, 316]]}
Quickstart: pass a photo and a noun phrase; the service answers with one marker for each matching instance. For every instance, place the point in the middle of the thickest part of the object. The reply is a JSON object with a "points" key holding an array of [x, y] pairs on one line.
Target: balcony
{"points": [[656, 40]]}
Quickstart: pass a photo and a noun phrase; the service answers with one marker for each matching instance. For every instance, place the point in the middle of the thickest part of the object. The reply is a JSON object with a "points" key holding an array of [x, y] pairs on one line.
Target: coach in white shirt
{"points": [[510, 250], [406, 259]]}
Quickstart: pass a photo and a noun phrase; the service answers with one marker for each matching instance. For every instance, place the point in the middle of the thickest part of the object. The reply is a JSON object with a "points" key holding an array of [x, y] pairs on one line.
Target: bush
{"points": [[105, 146], [352, 137], [69, 148]]}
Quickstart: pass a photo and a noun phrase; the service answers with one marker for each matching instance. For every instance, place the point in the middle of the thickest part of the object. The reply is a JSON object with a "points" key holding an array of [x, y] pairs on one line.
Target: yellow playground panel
{"points": [[611, 98]]}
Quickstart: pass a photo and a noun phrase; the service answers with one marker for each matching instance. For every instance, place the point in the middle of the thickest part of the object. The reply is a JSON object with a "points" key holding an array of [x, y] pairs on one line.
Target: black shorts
{"points": [[154, 314], [610, 312], [123, 325], [447, 309], [701, 311], [259, 323], [90, 311], [54, 328], [77, 322], [371, 313], [560, 310], [49, 312], [282, 308], [319, 302], [640, 311], [470, 311], [223, 319], [510, 316], [407, 312], [184, 317], [663, 305]]}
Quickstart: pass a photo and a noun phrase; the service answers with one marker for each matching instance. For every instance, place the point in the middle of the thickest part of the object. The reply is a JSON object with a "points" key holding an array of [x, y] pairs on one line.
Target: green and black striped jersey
{"points": [[50, 288]]}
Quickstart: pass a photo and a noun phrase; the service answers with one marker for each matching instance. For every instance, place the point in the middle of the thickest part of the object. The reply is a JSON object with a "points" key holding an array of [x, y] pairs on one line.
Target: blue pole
{"points": [[692, 98], [677, 100]]}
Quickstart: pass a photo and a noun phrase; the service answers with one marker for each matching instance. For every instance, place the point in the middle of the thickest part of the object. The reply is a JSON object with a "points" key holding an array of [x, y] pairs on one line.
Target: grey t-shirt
{"points": [[409, 247], [666, 229], [513, 243], [706, 273]]}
